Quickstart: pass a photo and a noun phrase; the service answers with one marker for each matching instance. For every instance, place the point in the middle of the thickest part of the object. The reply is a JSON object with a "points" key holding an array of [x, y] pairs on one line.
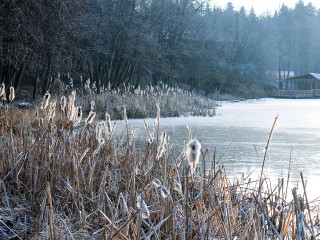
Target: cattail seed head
{"points": [[158, 114], [109, 125], [3, 89], [87, 86], [45, 101], [70, 107], [193, 154], [98, 131], [101, 141], [279, 208], [3, 97], [125, 116], [63, 103], [94, 87], [133, 132], [143, 207], [52, 110], [90, 118], [78, 115], [156, 182], [177, 187], [92, 103], [71, 82], [164, 192], [11, 95], [163, 143]]}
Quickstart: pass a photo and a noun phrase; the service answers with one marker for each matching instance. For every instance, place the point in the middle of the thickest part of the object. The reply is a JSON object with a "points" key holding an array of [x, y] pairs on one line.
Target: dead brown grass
{"points": [[61, 179]]}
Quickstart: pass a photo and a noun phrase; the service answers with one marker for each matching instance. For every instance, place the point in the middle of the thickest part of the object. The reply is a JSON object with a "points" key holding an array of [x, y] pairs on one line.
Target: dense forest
{"points": [[145, 42]]}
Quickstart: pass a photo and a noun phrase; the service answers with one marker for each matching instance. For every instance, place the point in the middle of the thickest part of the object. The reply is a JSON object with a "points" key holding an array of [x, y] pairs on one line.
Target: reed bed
{"points": [[67, 176], [141, 102]]}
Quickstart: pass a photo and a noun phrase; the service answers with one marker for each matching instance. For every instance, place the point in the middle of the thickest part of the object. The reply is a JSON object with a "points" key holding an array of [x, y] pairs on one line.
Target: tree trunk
{"points": [[47, 74], [35, 88], [18, 78]]}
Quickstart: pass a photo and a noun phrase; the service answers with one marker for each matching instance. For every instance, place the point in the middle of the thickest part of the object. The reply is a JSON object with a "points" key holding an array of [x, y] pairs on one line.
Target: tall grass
{"points": [[141, 103], [65, 178]]}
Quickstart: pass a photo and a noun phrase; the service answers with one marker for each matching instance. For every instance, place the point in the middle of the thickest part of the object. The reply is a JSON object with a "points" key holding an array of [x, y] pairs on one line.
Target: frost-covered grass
{"points": [[141, 103], [62, 181]]}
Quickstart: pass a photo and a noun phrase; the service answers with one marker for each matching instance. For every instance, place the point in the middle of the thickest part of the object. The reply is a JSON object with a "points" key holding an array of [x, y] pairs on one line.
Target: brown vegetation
{"points": [[62, 181]]}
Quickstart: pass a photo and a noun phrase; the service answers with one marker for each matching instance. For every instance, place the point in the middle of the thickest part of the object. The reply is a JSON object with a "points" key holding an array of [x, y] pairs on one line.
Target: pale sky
{"points": [[262, 6]]}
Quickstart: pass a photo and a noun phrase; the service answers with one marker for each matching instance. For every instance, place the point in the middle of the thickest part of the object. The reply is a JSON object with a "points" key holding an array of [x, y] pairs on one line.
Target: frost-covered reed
{"points": [[45, 101], [3, 97], [193, 153], [11, 94], [65, 181], [140, 103]]}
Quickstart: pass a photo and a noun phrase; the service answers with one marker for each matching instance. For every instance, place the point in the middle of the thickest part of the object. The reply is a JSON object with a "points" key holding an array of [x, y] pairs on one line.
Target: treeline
{"points": [[145, 42]]}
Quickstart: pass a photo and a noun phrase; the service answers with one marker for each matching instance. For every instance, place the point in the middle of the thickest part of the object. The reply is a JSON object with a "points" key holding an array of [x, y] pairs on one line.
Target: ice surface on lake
{"points": [[240, 130]]}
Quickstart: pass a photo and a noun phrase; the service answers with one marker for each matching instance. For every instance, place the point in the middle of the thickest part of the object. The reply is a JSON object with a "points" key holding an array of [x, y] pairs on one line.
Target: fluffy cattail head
{"points": [[125, 115], [158, 114], [78, 115], [12, 95], [143, 207], [164, 192], [90, 118], [279, 208], [193, 153], [63, 103], [108, 121], [70, 108], [156, 183], [177, 187], [3, 92], [45, 101], [163, 144], [92, 103], [52, 110]]}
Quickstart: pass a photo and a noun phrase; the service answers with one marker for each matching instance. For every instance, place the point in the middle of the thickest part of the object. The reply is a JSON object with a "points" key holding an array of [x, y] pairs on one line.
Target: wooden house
{"points": [[303, 86], [276, 77]]}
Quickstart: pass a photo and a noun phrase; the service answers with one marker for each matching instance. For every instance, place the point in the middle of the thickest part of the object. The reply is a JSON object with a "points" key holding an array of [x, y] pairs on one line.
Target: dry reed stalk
{"points": [[299, 215], [213, 206], [7, 199], [186, 205], [307, 202], [112, 229], [266, 216], [289, 168], [244, 232], [293, 226], [204, 154], [51, 213], [52, 110], [226, 206], [157, 121], [125, 224], [266, 150], [286, 225]]}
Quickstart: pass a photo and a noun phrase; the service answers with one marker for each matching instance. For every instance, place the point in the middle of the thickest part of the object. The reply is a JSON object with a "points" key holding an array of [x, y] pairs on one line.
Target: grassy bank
{"points": [[139, 102], [65, 176]]}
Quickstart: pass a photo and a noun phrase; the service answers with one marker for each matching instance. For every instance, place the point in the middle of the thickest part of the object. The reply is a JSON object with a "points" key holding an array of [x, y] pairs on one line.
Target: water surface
{"points": [[240, 131]]}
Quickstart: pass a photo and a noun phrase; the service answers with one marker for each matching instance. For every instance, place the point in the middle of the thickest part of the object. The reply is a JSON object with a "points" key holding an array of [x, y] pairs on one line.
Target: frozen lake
{"points": [[240, 130]]}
